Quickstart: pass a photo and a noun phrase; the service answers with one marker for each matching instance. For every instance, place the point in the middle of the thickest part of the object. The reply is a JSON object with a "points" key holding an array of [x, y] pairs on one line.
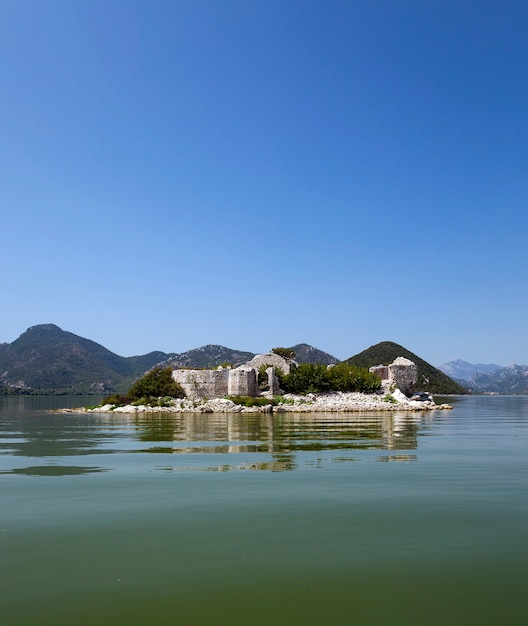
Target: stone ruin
{"points": [[239, 381], [402, 373]]}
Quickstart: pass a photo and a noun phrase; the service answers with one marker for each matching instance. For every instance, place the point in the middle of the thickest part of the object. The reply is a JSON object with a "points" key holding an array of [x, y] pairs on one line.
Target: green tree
{"points": [[312, 378], [157, 383], [307, 378], [346, 377], [285, 353]]}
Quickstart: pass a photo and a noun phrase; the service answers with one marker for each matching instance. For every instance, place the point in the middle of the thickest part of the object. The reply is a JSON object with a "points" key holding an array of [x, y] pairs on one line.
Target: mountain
{"points": [[214, 355], [462, 370], [308, 354], [209, 356], [48, 359], [429, 377], [488, 378], [506, 380]]}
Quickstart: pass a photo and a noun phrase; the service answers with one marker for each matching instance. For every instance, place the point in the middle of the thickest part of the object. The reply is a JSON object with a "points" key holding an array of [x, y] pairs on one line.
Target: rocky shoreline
{"points": [[333, 402]]}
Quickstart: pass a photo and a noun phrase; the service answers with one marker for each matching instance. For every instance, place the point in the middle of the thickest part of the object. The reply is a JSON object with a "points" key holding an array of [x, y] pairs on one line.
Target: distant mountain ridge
{"points": [[47, 359], [462, 370], [489, 378]]}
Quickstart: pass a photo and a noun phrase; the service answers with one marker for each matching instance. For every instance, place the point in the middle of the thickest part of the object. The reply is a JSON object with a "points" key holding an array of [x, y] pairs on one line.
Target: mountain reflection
{"points": [[282, 438]]}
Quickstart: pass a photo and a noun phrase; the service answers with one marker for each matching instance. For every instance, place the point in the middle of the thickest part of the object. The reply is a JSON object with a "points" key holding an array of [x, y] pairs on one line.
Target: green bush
{"points": [[345, 377], [307, 378], [285, 353], [155, 384], [249, 401], [312, 378], [117, 399]]}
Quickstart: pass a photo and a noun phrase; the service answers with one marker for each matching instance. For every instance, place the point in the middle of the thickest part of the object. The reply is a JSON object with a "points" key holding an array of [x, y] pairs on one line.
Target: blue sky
{"points": [[263, 173]]}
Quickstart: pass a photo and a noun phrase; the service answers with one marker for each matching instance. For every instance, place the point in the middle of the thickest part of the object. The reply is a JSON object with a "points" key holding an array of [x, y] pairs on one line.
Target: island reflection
{"points": [[276, 442]]}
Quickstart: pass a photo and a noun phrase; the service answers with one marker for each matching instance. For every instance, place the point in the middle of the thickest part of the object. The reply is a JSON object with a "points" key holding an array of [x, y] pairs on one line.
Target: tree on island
{"points": [[285, 353], [156, 384]]}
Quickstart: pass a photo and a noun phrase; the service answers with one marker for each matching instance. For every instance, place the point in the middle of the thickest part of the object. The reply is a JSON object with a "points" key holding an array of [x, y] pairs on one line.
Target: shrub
{"points": [[285, 353], [249, 401], [307, 378], [155, 384], [117, 399], [345, 377], [312, 378]]}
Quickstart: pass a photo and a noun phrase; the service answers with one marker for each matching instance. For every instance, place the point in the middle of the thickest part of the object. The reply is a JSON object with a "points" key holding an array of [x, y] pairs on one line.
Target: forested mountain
{"points": [[48, 359], [429, 377]]}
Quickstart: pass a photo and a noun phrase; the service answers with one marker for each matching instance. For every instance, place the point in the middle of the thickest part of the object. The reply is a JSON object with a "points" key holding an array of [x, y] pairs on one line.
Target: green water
{"points": [[215, 519]]}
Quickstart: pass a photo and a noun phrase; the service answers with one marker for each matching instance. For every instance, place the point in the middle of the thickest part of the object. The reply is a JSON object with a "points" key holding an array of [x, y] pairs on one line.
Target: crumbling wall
{"points": [[401, 373], [203, 383], [243, 382], [271, 360]]}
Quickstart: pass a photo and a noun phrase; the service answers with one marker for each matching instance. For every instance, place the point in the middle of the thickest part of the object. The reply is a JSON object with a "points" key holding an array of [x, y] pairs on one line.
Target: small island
{"points": [[273, 383]]}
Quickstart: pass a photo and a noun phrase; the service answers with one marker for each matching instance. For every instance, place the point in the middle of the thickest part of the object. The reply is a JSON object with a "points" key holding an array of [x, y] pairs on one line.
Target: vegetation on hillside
{"points": [[47, 359], [429, 377]]}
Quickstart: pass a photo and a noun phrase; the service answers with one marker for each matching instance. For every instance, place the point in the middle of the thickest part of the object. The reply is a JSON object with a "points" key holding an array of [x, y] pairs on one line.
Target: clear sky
{"points": [[256, 173]]}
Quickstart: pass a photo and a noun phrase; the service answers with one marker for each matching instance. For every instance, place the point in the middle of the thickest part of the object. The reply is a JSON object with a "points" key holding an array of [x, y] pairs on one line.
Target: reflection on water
{"points": [[363, 520], [195, 442], [54, 470], [281, 437]]}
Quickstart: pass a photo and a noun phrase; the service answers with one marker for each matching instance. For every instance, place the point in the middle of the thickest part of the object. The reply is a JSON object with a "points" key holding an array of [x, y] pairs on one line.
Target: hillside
{"points": [[308, 354], [48, 359], [429, 377], [209, 356]]}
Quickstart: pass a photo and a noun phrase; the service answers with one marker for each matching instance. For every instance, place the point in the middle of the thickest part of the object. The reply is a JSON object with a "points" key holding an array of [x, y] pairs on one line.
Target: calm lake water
{"points": [[353, 519]]}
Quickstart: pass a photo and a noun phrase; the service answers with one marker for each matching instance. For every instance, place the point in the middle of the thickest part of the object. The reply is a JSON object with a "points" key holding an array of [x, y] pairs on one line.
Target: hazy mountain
{"points": [[429, 377], [488, 378], [462, 370], [309, 354], [507, 380]]}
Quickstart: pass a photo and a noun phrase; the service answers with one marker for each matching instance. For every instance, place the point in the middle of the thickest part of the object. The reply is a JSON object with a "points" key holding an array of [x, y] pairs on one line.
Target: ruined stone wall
{"points": [[243, 382], [272, 360], [203, 383], [401, 372], [217, 383], [381, 371]]}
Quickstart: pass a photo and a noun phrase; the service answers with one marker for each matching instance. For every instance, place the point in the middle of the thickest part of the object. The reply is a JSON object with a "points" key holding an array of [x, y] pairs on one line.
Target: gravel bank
{"points": [[335, 402]]}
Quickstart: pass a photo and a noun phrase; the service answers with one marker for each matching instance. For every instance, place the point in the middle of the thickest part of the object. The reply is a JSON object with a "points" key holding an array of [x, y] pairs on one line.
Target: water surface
{"points": [[229, 519]]}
